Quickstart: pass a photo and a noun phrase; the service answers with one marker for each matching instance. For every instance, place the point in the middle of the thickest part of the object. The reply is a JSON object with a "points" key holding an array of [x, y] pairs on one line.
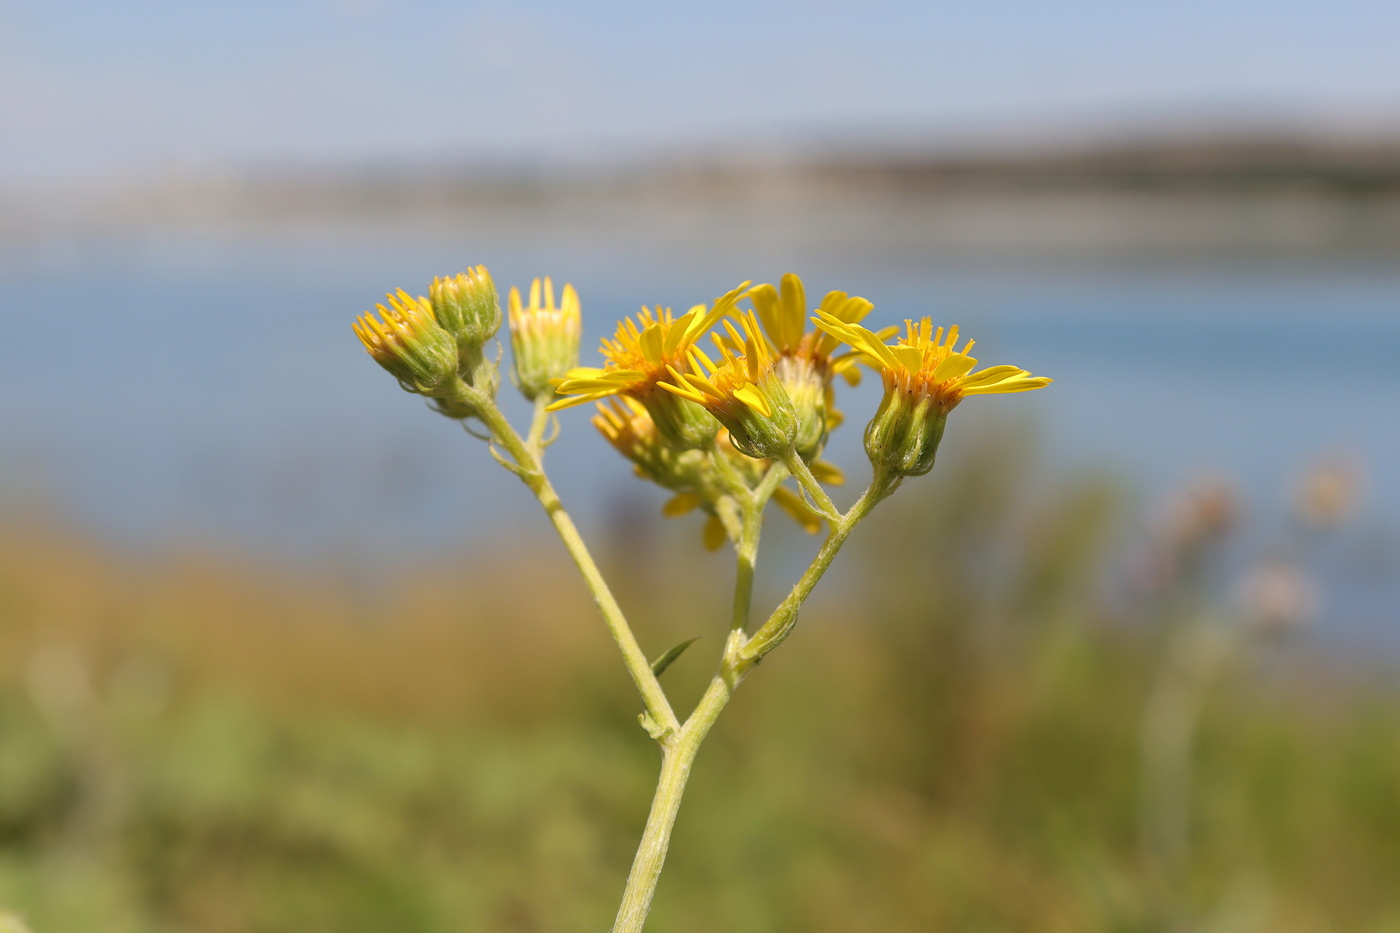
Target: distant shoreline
{"points": [[1233, 195]]}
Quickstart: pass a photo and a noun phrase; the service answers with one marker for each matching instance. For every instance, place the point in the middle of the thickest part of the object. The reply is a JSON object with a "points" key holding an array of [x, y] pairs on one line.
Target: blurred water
{"points": [[211, 386]]}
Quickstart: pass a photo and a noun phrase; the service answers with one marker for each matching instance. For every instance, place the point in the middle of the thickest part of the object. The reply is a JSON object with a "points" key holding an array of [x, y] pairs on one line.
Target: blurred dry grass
{"points": [[951, 742]]}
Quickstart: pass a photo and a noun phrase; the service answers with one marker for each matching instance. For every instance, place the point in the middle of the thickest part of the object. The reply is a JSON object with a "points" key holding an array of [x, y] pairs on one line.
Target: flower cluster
{"points": [[704, 425]]}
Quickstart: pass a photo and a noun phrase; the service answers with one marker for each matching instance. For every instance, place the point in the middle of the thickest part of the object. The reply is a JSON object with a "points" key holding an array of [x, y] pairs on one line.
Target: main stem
{"points": [[676, 762]]}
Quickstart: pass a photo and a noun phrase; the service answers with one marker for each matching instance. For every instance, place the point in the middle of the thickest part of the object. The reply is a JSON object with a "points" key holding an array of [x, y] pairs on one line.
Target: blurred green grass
{"points": [[200, 742]]}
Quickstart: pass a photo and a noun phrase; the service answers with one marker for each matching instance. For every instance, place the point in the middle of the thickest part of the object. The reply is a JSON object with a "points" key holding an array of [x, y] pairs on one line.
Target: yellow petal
{"points": [[1011, 385], [910, 359], [793, 312], [827, 472], [788, 501], [990, 375], [714, 534], [681, 504], [858, 338], [953, 367], [753, 398]]}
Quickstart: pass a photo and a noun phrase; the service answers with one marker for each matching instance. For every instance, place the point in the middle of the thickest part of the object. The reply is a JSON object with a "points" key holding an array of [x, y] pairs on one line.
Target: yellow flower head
{"points": [[807, 360], [925, 377], [637, 358], [741, 391], [925, 362], [625, 424], [784, 316], [544, 337], [407, 340]]}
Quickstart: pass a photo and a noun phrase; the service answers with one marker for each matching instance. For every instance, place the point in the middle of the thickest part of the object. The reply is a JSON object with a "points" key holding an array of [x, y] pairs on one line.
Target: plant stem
{"points": [[678, 758], [539, 420], [747, 550], [782, 620], [746, 546], [528, 468], [809, 484], [740, 656], [1171, 719]]}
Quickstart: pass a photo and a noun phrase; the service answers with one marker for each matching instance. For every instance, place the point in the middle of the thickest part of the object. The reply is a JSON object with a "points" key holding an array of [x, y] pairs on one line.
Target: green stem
{"points": [[735, 483], [747, 550], [746, 545], [1171, 719], [678, 758], [539, 421], [781, 622], [528, 468], [798, 468], [740, 656]]}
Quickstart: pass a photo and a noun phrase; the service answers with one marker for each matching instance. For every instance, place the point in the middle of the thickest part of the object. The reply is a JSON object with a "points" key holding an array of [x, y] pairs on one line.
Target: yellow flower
{"points": [[784, 317], [637, 359], [805, 362], [407, 340], [625, 424], [925, 377], [741, 391], [543, 336], [926, 362], [689, 474], [629, 429]]}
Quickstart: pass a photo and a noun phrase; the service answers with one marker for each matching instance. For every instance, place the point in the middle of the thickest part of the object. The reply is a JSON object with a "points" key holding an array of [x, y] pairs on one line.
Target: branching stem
{"points": [[820, 500], [741, 654], [530, 471], [680, 742]]}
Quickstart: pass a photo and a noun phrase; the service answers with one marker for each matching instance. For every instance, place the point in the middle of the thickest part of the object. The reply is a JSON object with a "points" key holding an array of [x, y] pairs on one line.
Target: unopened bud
{"points": [[544, 337], [467, 307], [407, 341]]}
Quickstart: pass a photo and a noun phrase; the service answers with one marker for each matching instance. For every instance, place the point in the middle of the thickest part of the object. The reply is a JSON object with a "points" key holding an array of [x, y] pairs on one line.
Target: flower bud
{"points": [[406, 340], [760, 419], [902, 439], [680, 423], [467, 307], [544, 337]]}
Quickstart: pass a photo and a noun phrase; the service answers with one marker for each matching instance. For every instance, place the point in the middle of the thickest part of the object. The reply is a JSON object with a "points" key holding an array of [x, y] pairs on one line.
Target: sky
{"points": [[99, 89]]}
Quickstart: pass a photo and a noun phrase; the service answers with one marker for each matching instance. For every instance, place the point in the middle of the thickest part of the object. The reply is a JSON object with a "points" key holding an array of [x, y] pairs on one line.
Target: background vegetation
{"points": [[953, 740]]}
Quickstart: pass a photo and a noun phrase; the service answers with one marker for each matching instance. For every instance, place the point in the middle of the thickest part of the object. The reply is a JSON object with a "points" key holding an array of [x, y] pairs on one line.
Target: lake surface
{"points": [[159, 388]]}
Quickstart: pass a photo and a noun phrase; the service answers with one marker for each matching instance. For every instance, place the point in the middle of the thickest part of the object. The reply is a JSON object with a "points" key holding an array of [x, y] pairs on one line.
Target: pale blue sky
{"points": [[143, 85]]}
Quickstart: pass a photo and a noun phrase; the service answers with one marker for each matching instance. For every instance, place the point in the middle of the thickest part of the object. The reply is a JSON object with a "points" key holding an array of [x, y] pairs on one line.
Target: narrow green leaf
{"points": [[663, 662]]}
